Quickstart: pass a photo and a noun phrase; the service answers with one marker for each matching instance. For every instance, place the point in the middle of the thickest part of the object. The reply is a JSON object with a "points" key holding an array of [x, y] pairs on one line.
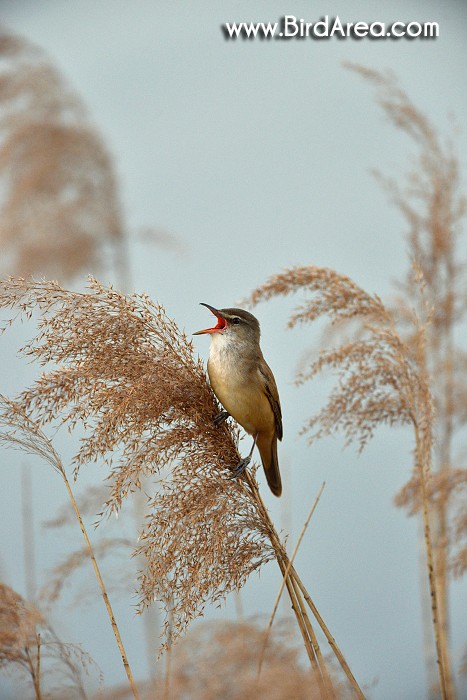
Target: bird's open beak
{"points": [[221, 322]]}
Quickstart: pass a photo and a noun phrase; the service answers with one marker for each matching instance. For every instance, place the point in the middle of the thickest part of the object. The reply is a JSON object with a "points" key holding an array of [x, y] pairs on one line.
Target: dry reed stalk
{"points": [[285, 578], [23, 433], [105, 597], [321, 670], [168, 663], [38, 669], [27, 643], [128, 376], [307, 632], [318, 662], [423, 430], [441, 647], [433, 203], [296, 590], [382, 379], [28, 533]]}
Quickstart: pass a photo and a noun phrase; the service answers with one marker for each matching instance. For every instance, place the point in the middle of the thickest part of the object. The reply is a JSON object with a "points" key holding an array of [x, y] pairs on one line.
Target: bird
{"points": [[245, 386]]}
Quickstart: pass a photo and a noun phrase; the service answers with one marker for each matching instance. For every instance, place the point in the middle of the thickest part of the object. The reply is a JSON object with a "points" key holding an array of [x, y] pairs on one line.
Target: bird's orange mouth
{"points": [[221, 322]]}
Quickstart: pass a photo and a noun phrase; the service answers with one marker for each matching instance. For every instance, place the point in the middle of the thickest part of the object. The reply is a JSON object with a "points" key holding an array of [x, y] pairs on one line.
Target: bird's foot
{"points": [[240, 468], [221, 417]]}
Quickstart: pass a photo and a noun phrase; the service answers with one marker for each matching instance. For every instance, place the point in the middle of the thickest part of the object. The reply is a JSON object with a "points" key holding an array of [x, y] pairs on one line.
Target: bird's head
{"points": [[237, 324]]}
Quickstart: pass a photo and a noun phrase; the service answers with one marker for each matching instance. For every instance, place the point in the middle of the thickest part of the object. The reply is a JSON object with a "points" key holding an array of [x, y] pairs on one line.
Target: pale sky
{"points": [[257, 156]]}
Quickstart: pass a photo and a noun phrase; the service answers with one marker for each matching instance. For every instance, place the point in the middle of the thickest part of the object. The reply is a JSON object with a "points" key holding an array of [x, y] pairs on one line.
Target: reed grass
{"points": [[382, 379], [128, 376], [23, 433], [285, 578], [59, 200], [431, 198], [30, 648]]}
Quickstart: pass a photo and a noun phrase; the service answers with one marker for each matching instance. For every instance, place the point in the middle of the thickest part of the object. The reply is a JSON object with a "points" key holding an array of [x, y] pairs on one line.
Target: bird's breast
{"points": [[235, 381]]}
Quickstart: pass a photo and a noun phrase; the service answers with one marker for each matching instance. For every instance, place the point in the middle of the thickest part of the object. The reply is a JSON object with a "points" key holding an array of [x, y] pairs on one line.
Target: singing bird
{"points": [[244, 384]]}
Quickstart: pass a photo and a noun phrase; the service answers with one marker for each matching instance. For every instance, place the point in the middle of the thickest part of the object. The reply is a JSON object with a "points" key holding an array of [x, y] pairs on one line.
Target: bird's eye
{"points": [[236, 320]]}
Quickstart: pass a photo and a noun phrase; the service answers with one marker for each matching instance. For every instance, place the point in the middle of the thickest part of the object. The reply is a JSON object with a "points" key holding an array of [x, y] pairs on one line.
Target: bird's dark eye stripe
{"points": [[236, 320]]}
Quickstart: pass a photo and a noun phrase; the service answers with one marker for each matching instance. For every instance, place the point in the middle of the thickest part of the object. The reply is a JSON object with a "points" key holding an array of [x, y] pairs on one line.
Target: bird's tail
{"points": [[268, 452]]}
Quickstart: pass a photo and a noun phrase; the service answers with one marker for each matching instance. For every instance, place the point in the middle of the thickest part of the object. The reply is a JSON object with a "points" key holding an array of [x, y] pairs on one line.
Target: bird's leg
{"points": [[241, 466], [221, 417]]}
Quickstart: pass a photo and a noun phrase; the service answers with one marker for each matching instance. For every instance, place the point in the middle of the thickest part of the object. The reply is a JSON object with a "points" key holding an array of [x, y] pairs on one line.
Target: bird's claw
{"points": [[240, 468], [221, 417]]}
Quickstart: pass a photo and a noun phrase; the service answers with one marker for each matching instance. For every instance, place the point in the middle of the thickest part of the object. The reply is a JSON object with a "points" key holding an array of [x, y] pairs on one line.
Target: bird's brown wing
{"points": [[270, 388]]}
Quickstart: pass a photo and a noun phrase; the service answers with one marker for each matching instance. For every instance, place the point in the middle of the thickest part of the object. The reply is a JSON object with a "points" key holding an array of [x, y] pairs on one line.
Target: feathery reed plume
{"points": [[60, 213], [127, 374], [381, 380], [434, 207], [21, 432], [375, 380], [60, 574], [88, 504], [108, 544], [29, 644], [219, 661], [60, 210]]}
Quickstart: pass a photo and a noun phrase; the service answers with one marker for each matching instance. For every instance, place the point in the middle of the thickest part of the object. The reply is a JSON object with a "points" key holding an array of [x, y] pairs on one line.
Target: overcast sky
{"points": [[257, 156]]}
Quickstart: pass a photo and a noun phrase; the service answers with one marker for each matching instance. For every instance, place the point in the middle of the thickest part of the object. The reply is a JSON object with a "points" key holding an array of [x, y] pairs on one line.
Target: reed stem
{"points": [[292, 587], [103, 590]]}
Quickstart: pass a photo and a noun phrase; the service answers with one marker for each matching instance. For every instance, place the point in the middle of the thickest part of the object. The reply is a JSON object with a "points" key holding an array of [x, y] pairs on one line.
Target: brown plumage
{"points": [[245, 385]]}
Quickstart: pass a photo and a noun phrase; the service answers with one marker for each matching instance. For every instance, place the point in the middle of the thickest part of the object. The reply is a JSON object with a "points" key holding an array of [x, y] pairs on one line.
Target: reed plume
{"points": [[381, 379], [60, 213], [218, 660], [378, 377], [29, 646], [433, 204], [127, 375], [398, 363], [20, 431]]}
